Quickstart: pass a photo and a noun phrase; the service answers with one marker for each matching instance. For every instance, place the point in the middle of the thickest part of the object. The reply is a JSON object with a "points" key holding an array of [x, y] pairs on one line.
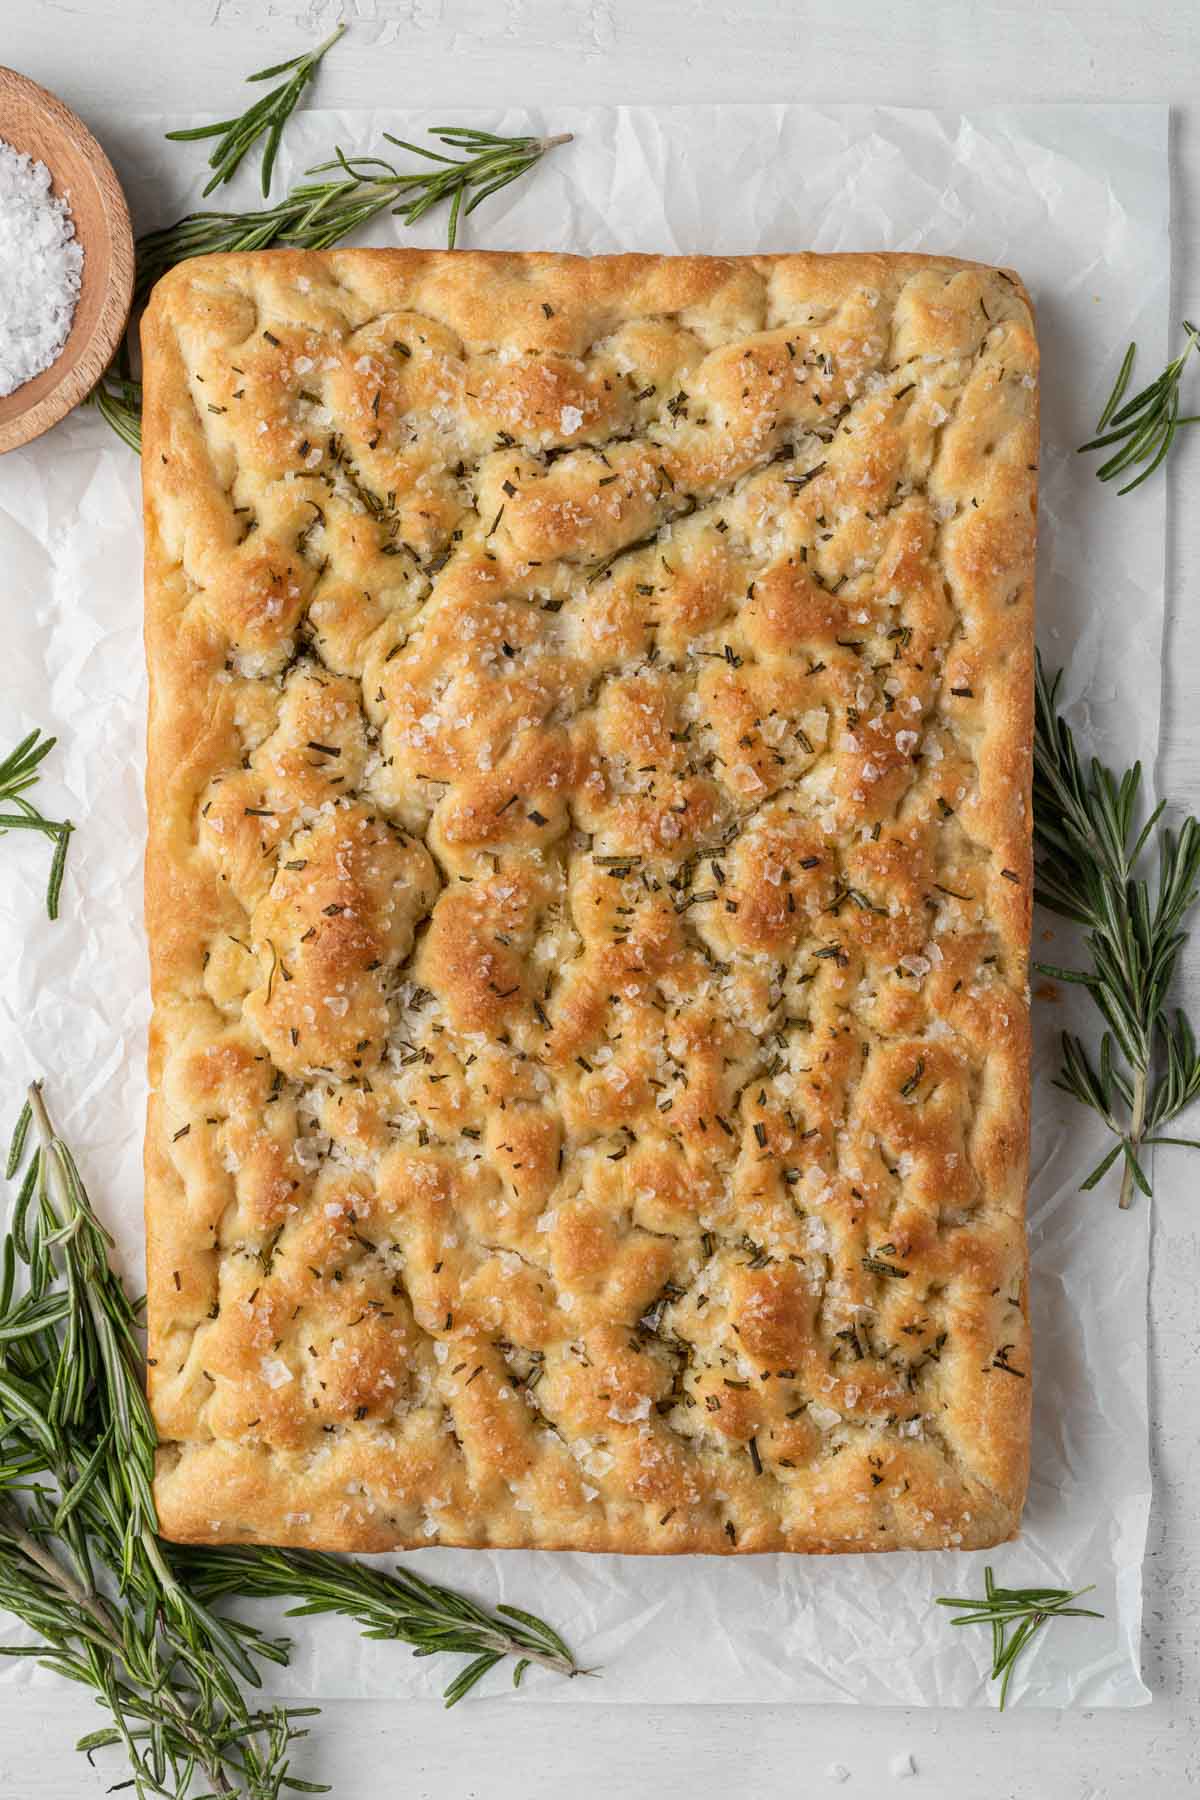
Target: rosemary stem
{"points": [[56, 1183], [1137, 1126], [545, 1659], [45, 1130], [12, 1525], [90, 1603], [329, 42]]}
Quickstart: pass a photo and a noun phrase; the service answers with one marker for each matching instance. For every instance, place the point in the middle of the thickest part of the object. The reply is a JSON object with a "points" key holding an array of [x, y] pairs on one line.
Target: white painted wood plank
{"points": [[183, 52]]}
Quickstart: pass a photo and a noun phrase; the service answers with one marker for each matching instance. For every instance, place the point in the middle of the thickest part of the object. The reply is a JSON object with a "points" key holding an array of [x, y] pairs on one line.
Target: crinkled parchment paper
{"points": [[1076, 198]]}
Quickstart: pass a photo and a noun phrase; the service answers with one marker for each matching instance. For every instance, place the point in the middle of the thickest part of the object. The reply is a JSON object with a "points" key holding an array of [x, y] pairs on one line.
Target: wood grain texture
{"points": [[465, 51], [34, 121]]}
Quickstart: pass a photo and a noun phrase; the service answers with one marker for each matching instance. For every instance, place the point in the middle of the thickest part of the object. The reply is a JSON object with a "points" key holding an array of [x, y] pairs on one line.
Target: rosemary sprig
{"points": [[1145, 426], [319, 213], [18, 773], [1149, 1065], [397, 1606], [270, 114], [79, 1560], [1025, 1608], [115, 1607]]}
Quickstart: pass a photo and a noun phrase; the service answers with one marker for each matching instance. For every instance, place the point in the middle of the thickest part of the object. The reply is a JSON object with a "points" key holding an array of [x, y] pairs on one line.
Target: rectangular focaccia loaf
{"points": [[588, 891]]}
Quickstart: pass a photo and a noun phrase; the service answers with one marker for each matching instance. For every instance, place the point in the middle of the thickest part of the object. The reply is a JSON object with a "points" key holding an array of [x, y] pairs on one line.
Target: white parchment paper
{"points": [[1077, 199]]}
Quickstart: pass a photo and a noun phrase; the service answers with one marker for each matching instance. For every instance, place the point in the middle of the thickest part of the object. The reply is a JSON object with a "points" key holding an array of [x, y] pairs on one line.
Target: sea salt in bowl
{"points": [[34, 122]]}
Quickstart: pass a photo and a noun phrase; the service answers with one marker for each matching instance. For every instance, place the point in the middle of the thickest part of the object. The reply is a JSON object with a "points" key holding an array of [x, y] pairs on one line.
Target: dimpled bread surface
{"points": [[588, 891]]}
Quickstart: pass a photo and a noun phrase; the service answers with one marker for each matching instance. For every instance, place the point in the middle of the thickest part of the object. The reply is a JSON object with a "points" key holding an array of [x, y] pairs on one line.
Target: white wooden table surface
{"points": [[103, 55]]}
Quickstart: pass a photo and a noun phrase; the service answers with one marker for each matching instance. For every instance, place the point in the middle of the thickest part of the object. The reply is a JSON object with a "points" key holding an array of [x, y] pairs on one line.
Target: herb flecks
{"points": [[1148, 1070], [18, 773], [1027, 1609]]}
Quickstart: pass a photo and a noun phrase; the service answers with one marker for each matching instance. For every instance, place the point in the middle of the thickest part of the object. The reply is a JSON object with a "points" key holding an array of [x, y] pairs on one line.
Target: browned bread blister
{"points": [[588, 892]]}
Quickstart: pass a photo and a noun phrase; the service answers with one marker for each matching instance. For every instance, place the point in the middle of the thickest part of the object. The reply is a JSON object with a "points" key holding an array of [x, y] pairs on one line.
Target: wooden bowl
{"points": [[32, 120]]}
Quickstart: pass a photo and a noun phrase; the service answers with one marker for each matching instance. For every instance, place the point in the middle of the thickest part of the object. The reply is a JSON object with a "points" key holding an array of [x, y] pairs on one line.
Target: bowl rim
{"points": [[90, 358]]}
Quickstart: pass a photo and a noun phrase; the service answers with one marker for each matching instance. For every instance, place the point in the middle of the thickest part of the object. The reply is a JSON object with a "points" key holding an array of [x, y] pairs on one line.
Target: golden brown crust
{"points": [[588, 891]]}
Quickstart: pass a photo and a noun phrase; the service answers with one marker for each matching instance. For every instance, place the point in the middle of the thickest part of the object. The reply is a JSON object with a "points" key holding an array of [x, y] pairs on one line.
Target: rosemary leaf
{"points": [[270, 114], [1026, 1610], [1145, 426], [18, 773], [1148, 1069]]}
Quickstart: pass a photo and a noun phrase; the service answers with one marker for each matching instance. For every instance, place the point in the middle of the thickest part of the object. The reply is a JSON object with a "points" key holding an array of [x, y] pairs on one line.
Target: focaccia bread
{"points": [[588, 892]]}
